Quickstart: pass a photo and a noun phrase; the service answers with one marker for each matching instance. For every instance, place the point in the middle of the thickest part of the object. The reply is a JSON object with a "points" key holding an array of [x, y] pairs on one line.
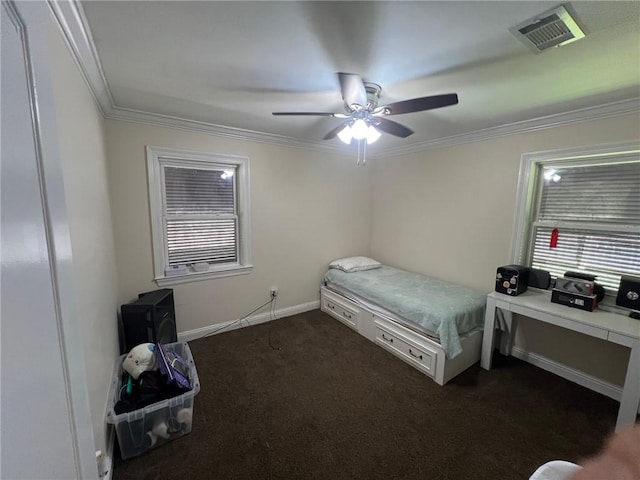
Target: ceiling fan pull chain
{"points": [[362, 148], [364, 152]]}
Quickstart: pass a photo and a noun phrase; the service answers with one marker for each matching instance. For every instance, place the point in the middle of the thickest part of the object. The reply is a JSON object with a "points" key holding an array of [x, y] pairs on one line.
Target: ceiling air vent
{"points": [[551, 29]]}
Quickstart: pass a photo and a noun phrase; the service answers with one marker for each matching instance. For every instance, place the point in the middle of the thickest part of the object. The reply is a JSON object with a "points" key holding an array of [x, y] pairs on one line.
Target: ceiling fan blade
{"points": [[420, 104], [352, 88], [309, 114], [335, 131], [394, 128]]}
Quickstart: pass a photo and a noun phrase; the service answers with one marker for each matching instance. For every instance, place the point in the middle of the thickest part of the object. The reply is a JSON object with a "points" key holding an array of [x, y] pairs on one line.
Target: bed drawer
{"points": [[419, 356], [340, 310]]}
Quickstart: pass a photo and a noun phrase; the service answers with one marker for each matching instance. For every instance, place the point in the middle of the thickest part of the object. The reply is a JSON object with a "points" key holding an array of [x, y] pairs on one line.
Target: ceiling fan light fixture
{"points": [[359, 129], [345, 135], [363, 114], [372, 135]]}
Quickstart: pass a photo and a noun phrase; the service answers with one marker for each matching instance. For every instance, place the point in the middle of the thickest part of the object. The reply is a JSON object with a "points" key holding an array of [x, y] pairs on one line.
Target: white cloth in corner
{"points": [[555, 470]]}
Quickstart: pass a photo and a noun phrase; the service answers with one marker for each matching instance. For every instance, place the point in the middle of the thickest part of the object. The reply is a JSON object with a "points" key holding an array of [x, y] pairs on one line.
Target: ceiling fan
{"points": [[363, 117]]}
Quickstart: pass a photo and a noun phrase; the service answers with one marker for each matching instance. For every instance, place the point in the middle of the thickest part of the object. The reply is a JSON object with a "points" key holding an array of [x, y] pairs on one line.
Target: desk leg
{"points": [[631, 390], [508, 333], [489, 334]]}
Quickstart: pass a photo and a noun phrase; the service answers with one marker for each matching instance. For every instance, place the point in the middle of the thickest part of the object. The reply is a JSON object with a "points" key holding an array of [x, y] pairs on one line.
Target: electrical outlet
{"points": [[274, 292]]}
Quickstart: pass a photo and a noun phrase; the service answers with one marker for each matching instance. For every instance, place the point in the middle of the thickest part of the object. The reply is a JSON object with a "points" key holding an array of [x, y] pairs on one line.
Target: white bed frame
{"points": [[419, 351]]}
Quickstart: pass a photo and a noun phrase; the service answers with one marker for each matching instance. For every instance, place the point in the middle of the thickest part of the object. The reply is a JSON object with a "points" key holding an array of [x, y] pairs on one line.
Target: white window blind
{"points": [[596, 211], [200, 215]]}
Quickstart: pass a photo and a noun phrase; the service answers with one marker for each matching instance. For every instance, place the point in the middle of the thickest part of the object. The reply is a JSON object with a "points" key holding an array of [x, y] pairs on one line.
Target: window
{"points": [[199, 215], [589, 202]]}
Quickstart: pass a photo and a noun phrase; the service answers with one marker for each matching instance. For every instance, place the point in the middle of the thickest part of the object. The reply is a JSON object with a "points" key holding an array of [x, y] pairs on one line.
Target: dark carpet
{"points": [[312, 399]]}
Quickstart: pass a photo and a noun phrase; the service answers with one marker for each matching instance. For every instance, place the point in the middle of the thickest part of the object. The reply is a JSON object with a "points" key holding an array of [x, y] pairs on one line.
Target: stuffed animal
{"points": [[141, 358]]}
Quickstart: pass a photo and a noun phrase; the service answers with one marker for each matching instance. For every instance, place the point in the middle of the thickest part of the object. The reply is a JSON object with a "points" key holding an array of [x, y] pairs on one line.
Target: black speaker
{"points": [[629, 293], [150, 319], [512, 279], [539, 278]]}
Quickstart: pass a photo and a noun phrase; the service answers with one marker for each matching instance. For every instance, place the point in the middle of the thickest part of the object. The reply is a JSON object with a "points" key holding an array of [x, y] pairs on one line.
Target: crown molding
{"points": [[615, 109], [77, 34], [138, 116]]}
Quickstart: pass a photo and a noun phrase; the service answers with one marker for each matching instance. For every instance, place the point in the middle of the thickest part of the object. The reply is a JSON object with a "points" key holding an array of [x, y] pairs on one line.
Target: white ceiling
{"points": [[232, 63]]}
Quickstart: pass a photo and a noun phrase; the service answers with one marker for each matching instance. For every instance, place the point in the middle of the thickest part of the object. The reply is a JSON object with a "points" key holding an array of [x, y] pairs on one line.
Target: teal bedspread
{"points": [[447, 309]]}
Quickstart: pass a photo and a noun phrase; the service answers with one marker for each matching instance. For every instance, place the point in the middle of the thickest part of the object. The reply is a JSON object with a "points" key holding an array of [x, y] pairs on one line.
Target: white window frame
{"points": [[527, 192], [157, 159]]}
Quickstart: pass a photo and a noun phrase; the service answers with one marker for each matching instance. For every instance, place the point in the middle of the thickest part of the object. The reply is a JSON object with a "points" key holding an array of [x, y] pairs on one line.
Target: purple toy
{"points": [[173, 367]]}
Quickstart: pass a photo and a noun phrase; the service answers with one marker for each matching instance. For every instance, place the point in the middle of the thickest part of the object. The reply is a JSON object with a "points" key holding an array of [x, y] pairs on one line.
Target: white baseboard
{"points": [[254, 320], [592, 383]]}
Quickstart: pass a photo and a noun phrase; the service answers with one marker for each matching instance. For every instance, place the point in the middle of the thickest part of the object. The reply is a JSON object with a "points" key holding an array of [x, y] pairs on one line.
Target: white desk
{"points": [[612, 327]]}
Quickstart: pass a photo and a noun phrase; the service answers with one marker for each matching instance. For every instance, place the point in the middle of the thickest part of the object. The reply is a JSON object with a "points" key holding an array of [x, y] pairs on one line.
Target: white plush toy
{"points": [[141, 358]]}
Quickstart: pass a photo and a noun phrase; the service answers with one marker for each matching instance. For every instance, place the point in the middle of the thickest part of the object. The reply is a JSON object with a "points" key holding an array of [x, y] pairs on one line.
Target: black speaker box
{"points": [[512, 279], [598, 289], [629, 293], [150, 319], [575, 300]]}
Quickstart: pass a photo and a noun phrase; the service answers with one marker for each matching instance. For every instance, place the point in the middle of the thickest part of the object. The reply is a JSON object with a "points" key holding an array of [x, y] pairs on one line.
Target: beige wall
{"points": [[307, 208], [450, 212], [82, 152]]}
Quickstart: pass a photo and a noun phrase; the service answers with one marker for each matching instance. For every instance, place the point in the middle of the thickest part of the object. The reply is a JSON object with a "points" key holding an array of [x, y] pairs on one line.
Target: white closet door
{"points": [[38, 420]]}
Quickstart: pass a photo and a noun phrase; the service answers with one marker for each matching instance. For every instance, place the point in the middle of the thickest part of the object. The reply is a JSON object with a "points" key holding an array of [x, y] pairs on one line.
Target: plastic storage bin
{"points": [[156, 424]]}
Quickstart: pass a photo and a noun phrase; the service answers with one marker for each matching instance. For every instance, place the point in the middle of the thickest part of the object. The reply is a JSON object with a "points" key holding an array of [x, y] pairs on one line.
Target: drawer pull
{"points": [[414, 355], [390, 340], [332, 307], [348, 315]]}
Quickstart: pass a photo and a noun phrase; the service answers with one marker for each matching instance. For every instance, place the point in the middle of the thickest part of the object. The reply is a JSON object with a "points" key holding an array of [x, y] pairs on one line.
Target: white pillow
{"points": [[355, 264]]}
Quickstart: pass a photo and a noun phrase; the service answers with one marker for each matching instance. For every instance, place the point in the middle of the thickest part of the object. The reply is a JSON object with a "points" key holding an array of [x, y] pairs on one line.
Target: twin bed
{"points": [[433, 325]]}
